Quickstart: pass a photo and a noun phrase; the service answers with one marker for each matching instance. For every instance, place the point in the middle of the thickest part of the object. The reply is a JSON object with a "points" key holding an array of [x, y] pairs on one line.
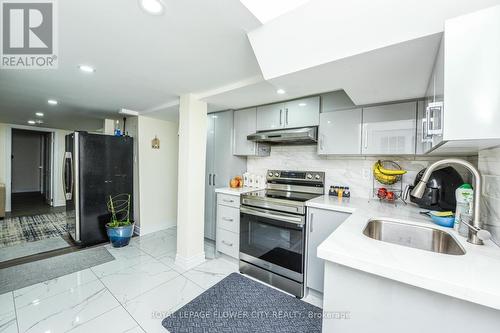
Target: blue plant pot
{"points": [[120, 236]]}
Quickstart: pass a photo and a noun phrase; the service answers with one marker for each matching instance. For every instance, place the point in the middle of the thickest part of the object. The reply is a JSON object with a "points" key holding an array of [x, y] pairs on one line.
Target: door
{"points": [[245, 123], [270, 117], [340, 132], [72, 215], [302, 112], [321, 224], [268, 241], [390, 129], [210, 200]]}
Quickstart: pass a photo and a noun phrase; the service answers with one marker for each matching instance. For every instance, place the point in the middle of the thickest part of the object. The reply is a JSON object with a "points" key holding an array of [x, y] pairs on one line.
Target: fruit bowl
{"points": [[387, 172]]}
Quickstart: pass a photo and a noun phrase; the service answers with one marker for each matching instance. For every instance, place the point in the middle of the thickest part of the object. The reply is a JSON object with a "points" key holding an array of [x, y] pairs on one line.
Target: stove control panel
{"points": [[315, 176]]}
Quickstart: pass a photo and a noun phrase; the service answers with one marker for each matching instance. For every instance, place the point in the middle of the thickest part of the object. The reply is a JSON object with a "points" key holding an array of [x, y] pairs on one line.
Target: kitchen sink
{"points": [[418, 237]]}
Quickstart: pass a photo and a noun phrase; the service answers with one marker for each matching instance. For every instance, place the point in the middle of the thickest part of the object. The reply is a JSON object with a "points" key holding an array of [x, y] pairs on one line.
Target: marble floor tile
{"points": [[114, 321], [211, 272], [130, 282], [152, 307], [157, 246], [136, 257], [67, 310], [8, 323], [37, 292], [169, 260]]}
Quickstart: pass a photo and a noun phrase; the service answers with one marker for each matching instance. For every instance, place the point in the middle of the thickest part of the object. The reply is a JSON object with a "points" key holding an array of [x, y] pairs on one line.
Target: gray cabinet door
{"points": [[245, 123], [340, 132], [390, 129], [302, 112], [320, 225], [270, 117], [210, 198]]}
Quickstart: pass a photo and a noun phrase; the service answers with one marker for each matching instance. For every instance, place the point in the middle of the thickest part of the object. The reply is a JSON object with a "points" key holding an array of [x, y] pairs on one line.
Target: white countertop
{"points": [[236, 191], [473, 277]]}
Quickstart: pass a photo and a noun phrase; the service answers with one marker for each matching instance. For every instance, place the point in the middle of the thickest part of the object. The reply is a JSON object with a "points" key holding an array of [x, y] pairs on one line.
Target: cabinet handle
{"points": [[213, 179], [365, 136], [311, 223], [226, 243], [226, 200], [286, 116], [227, 219], [281, 112], [209, 179]]}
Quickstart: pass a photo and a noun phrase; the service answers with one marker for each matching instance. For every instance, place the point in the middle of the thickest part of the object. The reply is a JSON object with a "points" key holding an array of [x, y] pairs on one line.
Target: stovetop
{"points": [[283, 195]]}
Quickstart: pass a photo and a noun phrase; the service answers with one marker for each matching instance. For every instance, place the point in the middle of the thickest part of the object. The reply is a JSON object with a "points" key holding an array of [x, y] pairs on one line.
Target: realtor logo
{"points": [[28, 34]]}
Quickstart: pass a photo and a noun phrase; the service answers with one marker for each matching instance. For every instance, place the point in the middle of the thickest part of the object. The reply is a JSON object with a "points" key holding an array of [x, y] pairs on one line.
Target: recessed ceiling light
{"points": [[302, 104], [52, 102], [31, 122], [86, 68], [39, 114], [154, 7], [280, 91]]}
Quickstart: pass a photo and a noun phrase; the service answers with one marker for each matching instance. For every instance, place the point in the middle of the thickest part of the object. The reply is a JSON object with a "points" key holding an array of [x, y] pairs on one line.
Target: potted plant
{"points": [[120, 228]]}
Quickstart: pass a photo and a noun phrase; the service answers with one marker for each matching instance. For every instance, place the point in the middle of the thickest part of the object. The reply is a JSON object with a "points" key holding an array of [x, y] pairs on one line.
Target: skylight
{"points": [[266, 10]]}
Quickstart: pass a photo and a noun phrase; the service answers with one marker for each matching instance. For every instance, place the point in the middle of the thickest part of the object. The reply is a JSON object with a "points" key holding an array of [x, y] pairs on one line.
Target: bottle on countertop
{"points": [[465, 196]]}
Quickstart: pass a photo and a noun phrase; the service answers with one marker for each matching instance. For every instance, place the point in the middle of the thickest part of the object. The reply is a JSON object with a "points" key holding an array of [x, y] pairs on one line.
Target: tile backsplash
{"points": [[352, 171], [489, 165]]}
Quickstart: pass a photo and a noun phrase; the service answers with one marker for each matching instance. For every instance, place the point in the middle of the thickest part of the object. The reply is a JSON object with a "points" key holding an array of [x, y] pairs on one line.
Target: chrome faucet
{"points": [[475, 226]]}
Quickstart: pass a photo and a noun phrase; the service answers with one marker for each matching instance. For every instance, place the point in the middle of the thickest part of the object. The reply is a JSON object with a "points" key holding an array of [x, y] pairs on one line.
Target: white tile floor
{"points": [[130, 294]]}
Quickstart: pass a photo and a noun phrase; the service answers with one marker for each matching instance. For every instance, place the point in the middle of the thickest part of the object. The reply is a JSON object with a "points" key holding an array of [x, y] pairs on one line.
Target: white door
{"points": [[390, 129], [340, 132], [302, 112], [270, 117]]}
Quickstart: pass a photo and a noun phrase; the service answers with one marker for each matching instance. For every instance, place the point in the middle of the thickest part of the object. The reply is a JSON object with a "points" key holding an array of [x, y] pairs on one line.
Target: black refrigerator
{"points": [[96, 166]]}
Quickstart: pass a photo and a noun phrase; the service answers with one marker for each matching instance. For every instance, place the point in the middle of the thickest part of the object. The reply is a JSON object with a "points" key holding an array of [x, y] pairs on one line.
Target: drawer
{"points": [[228, 243], [228, 218], [228, 200]]}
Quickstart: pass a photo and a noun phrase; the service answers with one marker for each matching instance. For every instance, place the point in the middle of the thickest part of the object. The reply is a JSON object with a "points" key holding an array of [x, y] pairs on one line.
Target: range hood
{"points": [[303, 135]]}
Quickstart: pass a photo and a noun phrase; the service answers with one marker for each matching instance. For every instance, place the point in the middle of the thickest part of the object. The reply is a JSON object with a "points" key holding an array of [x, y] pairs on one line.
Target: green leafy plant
{"points": [[119, 207]]}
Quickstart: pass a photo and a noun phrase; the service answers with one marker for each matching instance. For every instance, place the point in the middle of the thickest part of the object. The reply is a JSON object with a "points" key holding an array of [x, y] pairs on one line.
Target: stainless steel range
{"points": [[272, 228]]}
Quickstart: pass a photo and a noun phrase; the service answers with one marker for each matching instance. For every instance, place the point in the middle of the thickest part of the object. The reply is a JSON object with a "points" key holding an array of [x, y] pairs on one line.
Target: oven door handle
{"points": [[298, 220]]}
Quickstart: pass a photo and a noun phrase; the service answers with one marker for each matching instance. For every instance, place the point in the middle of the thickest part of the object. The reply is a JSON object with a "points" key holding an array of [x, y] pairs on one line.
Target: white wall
{"points": [[5, 165], [157, 173], [354, 172], [26, 153], [489, 165]]}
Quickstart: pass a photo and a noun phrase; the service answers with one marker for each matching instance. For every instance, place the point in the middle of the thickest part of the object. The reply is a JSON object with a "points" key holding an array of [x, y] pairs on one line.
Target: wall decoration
{"points": [[155, 143]]}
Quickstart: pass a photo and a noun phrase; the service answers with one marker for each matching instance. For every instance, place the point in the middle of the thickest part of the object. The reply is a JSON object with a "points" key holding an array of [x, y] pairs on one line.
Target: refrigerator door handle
{"points": [[68, 191]]}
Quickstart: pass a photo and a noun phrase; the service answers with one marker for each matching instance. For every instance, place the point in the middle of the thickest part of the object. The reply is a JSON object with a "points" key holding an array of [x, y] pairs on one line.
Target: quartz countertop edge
{"points": [[236, 191], [472, 277]]}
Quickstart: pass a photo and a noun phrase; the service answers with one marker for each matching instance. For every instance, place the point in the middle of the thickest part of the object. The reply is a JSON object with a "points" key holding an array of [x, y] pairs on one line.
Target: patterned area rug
{"points": [[239, 304], [16, 230]]}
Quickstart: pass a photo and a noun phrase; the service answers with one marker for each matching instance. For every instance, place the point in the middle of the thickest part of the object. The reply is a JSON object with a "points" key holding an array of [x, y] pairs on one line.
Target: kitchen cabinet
{"points": [[320, 225], [245, 123], [297, 113], [389, 129], [228, 224], [340, 132], [221, 164]]}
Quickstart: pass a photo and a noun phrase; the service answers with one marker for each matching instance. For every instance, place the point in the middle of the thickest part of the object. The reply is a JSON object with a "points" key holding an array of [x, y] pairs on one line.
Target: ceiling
{"points": [[220, 52], [142, 61]]}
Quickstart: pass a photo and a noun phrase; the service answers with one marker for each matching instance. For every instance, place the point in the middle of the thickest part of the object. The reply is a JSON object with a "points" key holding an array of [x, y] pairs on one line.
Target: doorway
{"points": [[31, 165]]}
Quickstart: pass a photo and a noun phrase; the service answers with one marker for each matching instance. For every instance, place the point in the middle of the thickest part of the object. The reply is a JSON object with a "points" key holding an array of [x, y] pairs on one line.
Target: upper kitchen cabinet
{"points": [[340, 132], [245, 123], [389, 129], [298, 113], [302, 112]]}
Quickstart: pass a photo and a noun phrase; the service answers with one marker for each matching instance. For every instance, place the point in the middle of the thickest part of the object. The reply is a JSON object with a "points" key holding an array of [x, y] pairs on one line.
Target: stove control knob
{"points": [[270, 174], [318, 177], [276, 174], [309, 176]]}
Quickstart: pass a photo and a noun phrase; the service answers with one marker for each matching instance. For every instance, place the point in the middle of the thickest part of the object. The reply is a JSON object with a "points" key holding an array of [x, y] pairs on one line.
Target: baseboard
{"points": [[59, 203], [191, 262]]}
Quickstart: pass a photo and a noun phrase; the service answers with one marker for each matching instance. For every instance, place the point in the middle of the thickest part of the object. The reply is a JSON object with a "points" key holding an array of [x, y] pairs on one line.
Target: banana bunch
{"points": [[387, 176]]}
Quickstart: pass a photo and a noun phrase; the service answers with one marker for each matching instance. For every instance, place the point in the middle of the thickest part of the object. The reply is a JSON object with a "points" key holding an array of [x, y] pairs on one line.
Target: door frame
{"points": [[8, 159]]}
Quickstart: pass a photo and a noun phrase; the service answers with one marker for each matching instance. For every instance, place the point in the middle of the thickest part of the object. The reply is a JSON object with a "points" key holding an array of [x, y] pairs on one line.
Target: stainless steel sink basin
{"points": [[418, 237]]}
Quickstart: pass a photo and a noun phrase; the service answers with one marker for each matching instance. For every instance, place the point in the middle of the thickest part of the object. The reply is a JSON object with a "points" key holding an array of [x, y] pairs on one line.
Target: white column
{"points": [[191, 182]]}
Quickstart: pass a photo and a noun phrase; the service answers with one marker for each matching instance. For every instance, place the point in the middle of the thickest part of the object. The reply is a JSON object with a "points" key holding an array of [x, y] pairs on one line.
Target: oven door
{"points": [[273, 241]]}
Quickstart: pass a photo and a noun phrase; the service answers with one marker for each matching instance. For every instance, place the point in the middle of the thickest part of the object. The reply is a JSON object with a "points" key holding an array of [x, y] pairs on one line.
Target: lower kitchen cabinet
{"points": [[320, 224], [228, 224]]}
